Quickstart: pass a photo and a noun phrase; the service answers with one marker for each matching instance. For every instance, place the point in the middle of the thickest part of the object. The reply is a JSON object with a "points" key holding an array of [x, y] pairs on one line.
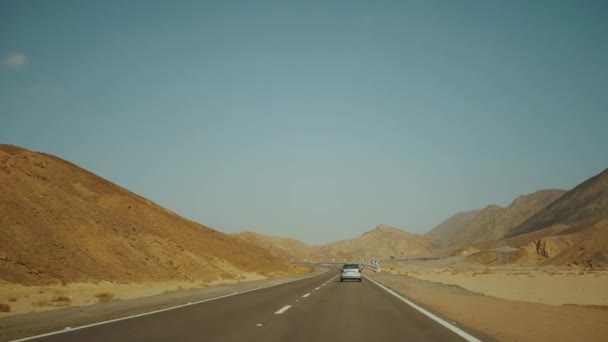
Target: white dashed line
{"points": [[283, 309], [316, 288], [306, 295], [155, 311]]}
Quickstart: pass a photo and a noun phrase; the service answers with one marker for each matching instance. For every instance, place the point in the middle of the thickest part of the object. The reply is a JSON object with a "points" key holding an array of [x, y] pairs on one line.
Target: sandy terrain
{"points": [[548, 286], [63, 224], [504, 320], [25, 299], [15, 326]]}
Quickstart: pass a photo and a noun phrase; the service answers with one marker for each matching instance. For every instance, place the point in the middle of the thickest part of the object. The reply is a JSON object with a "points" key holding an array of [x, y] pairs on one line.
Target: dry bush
{"points": [[105, 297], [61, 300], [226, 275], [486, 271], [40, 303], [5, 307], [12, 299]]}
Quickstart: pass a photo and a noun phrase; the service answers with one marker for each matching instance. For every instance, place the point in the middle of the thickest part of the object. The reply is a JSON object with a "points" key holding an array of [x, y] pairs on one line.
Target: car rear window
{"points": [[350, 266]]}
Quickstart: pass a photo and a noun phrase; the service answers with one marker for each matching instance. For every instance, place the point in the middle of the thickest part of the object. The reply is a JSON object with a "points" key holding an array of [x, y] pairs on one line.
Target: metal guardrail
{"points": [[373, 267]]}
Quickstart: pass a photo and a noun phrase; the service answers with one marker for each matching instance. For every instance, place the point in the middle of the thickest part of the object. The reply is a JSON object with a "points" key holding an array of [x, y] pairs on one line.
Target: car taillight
{"points": [[341, 271], [360, 270]]}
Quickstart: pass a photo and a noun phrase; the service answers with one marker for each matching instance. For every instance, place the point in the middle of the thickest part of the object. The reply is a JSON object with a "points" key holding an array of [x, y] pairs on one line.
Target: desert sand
{"points": [[549, 286], [26, 299], [508, 303]]}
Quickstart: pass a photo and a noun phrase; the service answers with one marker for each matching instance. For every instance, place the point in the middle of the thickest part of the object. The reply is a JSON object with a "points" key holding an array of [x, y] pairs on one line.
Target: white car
{"points": [[351, 271]]}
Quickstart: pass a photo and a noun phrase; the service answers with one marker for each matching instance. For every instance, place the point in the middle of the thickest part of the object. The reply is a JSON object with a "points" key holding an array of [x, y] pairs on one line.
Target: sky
{"points": [[316, 120]]}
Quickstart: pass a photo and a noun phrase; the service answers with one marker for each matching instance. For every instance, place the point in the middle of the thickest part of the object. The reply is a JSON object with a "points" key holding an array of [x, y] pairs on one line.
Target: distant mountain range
{"points": [[554, 227], [282, 247], [61, 223], [383, 242]]}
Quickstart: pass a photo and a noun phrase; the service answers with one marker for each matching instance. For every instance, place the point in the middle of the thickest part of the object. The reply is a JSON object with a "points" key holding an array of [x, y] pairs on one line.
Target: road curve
{"points": [[314, 309]]}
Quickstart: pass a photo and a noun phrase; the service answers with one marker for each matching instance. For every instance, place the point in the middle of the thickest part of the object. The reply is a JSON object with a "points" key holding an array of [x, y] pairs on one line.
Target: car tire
{"points": [[360, 279], [341, 280]]}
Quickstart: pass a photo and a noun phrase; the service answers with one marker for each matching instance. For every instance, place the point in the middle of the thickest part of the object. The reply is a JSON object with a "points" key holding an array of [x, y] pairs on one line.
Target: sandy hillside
{"points": [[492, 222], [383, 242], [284, 248], [61, 223]]}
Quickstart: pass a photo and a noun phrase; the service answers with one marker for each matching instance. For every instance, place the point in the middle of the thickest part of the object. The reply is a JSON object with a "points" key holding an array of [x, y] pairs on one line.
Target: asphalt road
{"points": [[315, 309]]}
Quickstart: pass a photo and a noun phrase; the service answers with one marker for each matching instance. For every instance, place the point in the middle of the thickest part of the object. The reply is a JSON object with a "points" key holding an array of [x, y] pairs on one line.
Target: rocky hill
{"points": [[61, 223], [284, 248], [573, 230], [383, 242], [586, 204], [491, 223]]}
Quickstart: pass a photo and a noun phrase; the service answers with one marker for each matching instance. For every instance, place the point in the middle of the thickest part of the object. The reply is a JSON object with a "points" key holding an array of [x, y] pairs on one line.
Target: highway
{"points": [[319, 308]]}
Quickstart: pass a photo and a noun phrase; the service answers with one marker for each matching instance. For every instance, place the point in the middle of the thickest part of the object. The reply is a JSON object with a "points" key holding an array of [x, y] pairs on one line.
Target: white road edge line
{"points": [[153, 312], [446, 324], [283, 309], [306, 295]]}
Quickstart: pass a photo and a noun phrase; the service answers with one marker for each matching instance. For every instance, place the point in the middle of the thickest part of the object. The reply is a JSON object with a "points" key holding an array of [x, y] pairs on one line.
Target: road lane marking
{"points": [[446, 324], [283, 309], [306, 295], [316, 288], [29, 338]]}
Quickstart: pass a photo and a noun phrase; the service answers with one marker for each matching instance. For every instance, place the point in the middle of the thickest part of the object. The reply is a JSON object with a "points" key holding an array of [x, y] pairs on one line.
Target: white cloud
{"points": [[15, 60]]}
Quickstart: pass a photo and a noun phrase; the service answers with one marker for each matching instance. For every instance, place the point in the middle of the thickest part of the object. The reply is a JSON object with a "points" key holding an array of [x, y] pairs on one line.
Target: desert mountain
{"points": [[491, 223], [573, 230], [284, 248], [447, 232], [383, 242], [587, 203], [59, 222]]}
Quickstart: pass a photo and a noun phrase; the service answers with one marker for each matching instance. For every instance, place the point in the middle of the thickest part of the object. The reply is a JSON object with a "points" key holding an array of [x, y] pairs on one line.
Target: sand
{"points": [[500, 319], [507, 303], [25, 299], [555, 287]]}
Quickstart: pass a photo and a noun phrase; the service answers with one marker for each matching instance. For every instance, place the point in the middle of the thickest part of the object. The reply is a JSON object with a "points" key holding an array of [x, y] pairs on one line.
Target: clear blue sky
{"points": [[316, 120]]}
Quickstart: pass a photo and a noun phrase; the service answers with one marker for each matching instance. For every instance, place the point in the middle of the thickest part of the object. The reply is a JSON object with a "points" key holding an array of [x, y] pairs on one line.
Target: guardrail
{"points": [[373, 267]]}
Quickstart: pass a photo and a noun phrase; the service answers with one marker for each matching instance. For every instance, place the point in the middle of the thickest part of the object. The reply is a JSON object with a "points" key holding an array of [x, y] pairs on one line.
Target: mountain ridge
{"points": [[382, 242], [492, 222]]}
